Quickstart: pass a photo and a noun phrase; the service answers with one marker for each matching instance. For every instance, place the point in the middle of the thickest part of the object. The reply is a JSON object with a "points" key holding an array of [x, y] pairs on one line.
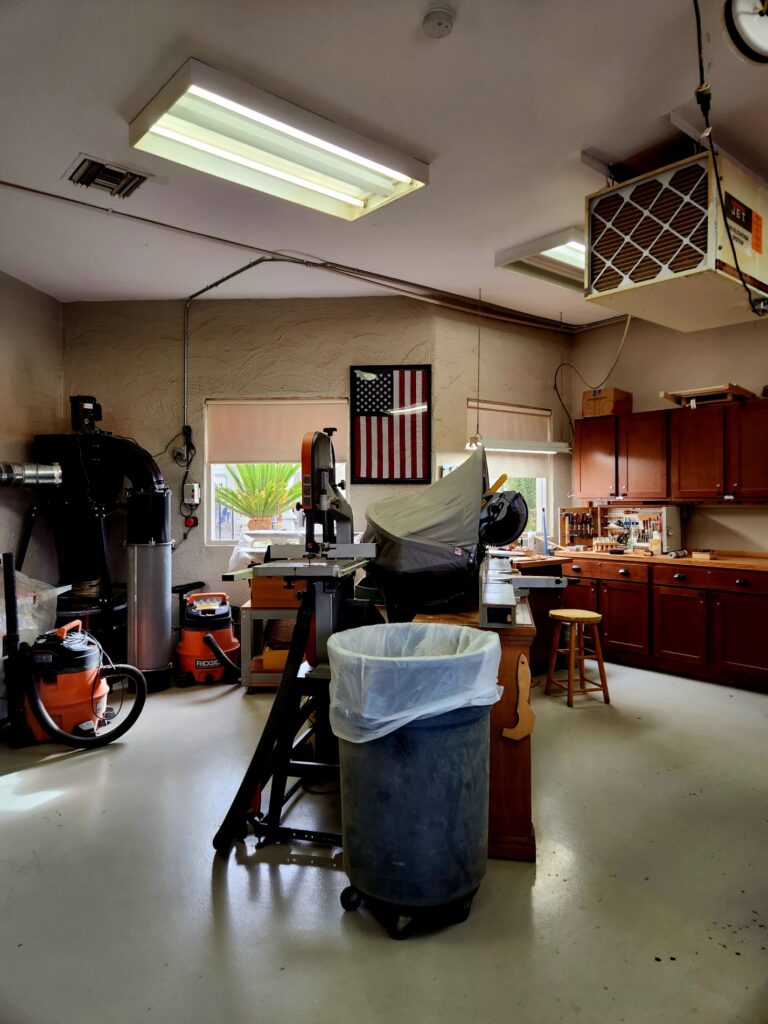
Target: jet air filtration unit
{"points": [[658, 246]]}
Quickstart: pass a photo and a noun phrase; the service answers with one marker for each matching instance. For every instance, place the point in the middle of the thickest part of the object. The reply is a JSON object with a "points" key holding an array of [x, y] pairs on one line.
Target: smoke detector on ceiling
{"points": [[118, 181], [438, 22]]}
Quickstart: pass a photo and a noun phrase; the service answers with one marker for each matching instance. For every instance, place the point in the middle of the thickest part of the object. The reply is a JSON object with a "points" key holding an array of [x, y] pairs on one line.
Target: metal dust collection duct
{"points": [[29, 474]]}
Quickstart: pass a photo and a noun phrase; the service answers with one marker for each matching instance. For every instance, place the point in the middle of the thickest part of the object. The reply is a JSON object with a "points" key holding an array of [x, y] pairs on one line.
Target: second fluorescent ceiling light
{"points": [[204, 119], [558, 258]]}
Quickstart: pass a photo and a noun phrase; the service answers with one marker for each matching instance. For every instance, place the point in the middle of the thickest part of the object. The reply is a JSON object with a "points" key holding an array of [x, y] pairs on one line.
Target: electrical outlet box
{"points": [[192, 494]]}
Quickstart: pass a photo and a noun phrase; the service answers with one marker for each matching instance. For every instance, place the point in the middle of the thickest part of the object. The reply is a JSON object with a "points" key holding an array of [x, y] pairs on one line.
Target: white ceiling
{"points": [[501, 110]]}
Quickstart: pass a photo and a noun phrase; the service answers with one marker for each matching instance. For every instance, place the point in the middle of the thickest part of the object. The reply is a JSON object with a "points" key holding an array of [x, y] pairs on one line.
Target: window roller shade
{"points": [[512, 424], [271, 430]]}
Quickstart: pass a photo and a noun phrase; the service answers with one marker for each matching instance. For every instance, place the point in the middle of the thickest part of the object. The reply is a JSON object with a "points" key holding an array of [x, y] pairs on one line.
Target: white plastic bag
{"points": [[383, 677], [36, 602]]}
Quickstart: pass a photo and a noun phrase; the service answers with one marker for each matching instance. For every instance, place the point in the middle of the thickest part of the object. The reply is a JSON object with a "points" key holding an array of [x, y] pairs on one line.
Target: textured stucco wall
{"points": [[129, 355], [517, 366], [30, 398], [656, 359]]}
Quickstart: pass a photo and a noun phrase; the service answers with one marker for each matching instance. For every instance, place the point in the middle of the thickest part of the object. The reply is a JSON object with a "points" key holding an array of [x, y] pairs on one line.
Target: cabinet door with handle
{"points": [[680, 625], [746, 456], [740, 635], [624, 607], [580, 593], [594, 457], [642, 458], [697, 453]]}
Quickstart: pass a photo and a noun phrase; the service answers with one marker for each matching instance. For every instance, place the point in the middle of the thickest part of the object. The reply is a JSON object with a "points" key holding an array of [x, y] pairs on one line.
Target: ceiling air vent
{"points": [[118, 181]]}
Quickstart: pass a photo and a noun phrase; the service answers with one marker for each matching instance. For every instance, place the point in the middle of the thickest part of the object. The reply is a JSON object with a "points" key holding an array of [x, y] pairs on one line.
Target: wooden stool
{"points": [[576, 619]]}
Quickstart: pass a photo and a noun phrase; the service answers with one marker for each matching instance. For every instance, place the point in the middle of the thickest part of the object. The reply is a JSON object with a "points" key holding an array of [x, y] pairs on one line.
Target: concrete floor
{"points": [[649, 901]]}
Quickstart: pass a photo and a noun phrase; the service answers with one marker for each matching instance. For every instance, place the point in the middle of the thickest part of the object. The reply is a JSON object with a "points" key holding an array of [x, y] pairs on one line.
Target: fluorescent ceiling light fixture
{"points": [[497, 444], [558, 258], [206, 120]]}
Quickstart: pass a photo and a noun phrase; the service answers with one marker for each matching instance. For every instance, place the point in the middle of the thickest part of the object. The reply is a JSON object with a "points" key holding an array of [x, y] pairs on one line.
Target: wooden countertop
{"points": [[736, 560]]}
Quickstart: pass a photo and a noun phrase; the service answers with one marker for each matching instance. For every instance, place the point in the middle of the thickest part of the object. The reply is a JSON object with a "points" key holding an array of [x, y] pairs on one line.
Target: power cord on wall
{"points": [[704, 100], [577, 371]]}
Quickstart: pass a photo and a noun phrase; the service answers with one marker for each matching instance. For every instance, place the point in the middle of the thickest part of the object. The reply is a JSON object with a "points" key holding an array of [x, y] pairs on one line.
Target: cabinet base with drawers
{"points": [[709, 623]]}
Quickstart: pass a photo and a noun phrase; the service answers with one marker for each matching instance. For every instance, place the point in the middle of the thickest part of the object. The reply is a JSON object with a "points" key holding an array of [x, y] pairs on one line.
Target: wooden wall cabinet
{"points": [[594, 457], [746, 454], [710, 453], [697, 453], [642, 456]]}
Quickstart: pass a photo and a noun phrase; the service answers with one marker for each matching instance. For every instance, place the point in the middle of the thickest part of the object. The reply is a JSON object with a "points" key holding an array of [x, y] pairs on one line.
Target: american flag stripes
{"points": [[390, 409]]}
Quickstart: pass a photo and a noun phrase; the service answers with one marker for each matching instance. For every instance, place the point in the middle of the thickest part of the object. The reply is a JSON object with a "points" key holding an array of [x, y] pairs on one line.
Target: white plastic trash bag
{"points": [[383, 677], [36, 602]]}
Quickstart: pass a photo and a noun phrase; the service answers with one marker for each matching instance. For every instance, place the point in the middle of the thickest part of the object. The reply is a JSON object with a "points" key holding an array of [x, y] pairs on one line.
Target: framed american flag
{"points": [[390, 430]]}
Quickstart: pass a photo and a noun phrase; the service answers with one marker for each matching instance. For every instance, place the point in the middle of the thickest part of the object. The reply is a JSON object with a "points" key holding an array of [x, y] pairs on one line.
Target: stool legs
{"points": [[577, 654], [572, 636], [553, 656], [600, 665]]}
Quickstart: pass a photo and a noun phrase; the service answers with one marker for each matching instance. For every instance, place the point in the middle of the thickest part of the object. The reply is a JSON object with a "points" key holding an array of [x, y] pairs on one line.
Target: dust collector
{"points": [[111, 491]]}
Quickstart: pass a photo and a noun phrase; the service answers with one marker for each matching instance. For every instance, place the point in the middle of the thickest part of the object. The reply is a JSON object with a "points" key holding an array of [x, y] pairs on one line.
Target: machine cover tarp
{"points": [[443, 515]]}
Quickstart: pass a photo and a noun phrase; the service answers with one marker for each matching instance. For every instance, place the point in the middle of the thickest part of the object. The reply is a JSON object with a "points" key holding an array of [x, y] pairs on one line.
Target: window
{"points": [[253, 453], [530, 473], [259, 497]]}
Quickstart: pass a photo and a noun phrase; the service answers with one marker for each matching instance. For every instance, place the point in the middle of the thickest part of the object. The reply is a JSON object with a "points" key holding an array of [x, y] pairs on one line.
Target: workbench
{"points": [[510, 832]]}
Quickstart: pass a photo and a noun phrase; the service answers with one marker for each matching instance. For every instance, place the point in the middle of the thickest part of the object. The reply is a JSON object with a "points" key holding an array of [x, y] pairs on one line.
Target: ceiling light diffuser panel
{"points": [[558, 258], [216, 124]]}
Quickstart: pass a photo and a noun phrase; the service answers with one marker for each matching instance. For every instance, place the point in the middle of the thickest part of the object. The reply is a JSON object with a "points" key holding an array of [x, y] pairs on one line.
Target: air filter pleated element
{"points": [[658, 248]]}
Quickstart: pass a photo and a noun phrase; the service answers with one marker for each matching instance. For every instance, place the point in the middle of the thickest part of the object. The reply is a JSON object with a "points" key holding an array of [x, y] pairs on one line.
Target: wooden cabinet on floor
{"points": [[707, 621], [594, 457], [740, 636], [680, 625], [642, 456], [580, 593], [624, 607]]}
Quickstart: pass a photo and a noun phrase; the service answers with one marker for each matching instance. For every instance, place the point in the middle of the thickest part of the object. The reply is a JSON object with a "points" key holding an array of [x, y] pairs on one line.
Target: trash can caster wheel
{"points": [[350, 898], [463, 912], [401, 927]]}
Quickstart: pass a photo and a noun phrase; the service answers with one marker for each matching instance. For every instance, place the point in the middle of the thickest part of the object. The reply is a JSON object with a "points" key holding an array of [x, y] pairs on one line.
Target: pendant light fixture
{"points": [[476, 440]]}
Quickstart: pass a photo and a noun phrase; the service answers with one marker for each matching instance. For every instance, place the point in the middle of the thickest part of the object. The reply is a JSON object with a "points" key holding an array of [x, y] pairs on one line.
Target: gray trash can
{"points": [[414, 783]]}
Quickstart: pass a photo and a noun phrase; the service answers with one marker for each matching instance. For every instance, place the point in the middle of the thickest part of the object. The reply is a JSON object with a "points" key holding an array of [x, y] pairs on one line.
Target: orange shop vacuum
{"points": [[68, 665], [58, 689], [206, 635]]}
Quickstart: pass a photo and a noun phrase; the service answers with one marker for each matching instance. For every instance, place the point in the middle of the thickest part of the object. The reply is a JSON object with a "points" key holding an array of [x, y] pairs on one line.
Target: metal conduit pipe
{"points": [[448, 300], [29, 474]]}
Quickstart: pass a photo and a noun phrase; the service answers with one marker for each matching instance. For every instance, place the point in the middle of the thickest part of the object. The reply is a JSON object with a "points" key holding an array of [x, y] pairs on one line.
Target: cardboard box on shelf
{"points": [[606, 402]]}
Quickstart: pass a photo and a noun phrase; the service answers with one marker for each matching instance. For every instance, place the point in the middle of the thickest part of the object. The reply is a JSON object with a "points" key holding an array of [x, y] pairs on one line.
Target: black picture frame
{"points": [[392, 467]]}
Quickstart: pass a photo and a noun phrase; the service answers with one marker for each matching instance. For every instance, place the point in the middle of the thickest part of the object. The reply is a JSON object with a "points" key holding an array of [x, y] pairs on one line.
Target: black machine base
{"points": [[401, 921], [296, 743], [158, 679]]}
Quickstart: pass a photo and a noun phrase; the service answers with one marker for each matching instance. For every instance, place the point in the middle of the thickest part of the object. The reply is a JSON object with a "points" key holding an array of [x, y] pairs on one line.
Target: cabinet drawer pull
{"points": [[741, 582], [623, 572], [679, 576], [576, 568]]}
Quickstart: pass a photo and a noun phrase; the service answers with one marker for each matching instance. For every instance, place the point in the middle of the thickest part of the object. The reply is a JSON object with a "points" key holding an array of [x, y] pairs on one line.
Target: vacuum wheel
{"points": [[350, 898]]}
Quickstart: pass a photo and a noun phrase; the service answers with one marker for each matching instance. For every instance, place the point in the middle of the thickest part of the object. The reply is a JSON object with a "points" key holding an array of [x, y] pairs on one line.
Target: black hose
{"points": [[231, 670], [69, 739]]}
